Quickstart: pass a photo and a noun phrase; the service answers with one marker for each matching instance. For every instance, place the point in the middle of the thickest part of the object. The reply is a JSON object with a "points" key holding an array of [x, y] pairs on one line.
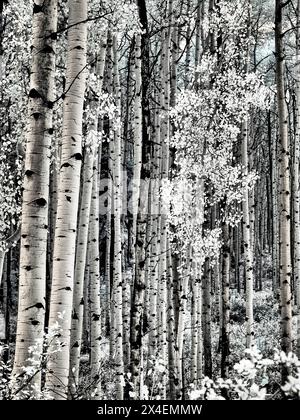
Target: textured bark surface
{"points": [[296, 178], [117, 258], [94, 259], [67, 199], [81, 255], [248, 246], [284, 188], [224, 338], [32, 283]]}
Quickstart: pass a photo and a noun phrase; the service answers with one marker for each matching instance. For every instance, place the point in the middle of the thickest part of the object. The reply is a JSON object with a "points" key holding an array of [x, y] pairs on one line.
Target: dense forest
{"points": [[150, 199]]}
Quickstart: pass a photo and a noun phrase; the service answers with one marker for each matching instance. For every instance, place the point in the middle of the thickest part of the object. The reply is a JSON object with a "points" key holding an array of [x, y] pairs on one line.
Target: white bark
{"points": [[81, 253], [248, 246], [33, 253], [82, 237], [67, 199], [117, 210], [165, 133], [199, 327], [284, 188], [2, 259], [95, 309], [296, 197]]}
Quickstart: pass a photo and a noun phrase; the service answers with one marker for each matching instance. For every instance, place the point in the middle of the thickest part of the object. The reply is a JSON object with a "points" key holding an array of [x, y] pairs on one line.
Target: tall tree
{"points": [[34, 231], [67, 199], [284, 186], [117, 211], [296, 191]]}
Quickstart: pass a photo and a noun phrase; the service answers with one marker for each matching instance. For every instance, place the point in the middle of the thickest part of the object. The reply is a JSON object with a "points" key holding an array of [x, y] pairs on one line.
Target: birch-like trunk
{"points": [[95, 309], [248, 246], [2, 259], [224, 339], [139, 212], [82, 236], [117, 210], [199, 327], [296, 192], [155, 242], [194, 327], [183, 293], [284, 188], [33, 251], [165, 134], [206, 317], [67, 200], [81, 254]]}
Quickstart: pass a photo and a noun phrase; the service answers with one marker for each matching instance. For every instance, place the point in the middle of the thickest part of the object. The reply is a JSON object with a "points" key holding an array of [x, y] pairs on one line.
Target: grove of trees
{"points": [[150, 199]]}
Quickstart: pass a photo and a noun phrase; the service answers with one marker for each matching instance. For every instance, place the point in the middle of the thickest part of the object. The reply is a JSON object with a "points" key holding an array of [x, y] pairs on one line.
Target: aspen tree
{"points": [[117, 210], [137, 136], [284, 187], [206, 317], [224, 339], [155, 243], [34, 231], [274, 201], [67, 199], [140, 205], [94, 274], [83, 226], [81, 255], [194, 327], [199, 325], [165, 133], [296, 192], [247, 243], [109, 205], [248, 251]]}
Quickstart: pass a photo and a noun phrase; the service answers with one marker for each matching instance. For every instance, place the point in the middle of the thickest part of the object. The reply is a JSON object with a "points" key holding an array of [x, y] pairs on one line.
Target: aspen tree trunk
{"points": [[136, 333], [248, 250], [128, 259], [2, 259], [139, 205], [199, 39], [82, 237], [173, 393], [141, 158], [67, 199], [225, 302], [194, 326], [117, 210], [155, 243], [199, 326], [284, 188], [33, 253], [183, 293], [109, 208], [85, 345], [138, 134], [206, 316], [94, 258], [52, 218], [296, 196], [274, 201], [165, 133], [237, 242], [173, 280], [188, 50], [81, 255], [1, 26]]}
